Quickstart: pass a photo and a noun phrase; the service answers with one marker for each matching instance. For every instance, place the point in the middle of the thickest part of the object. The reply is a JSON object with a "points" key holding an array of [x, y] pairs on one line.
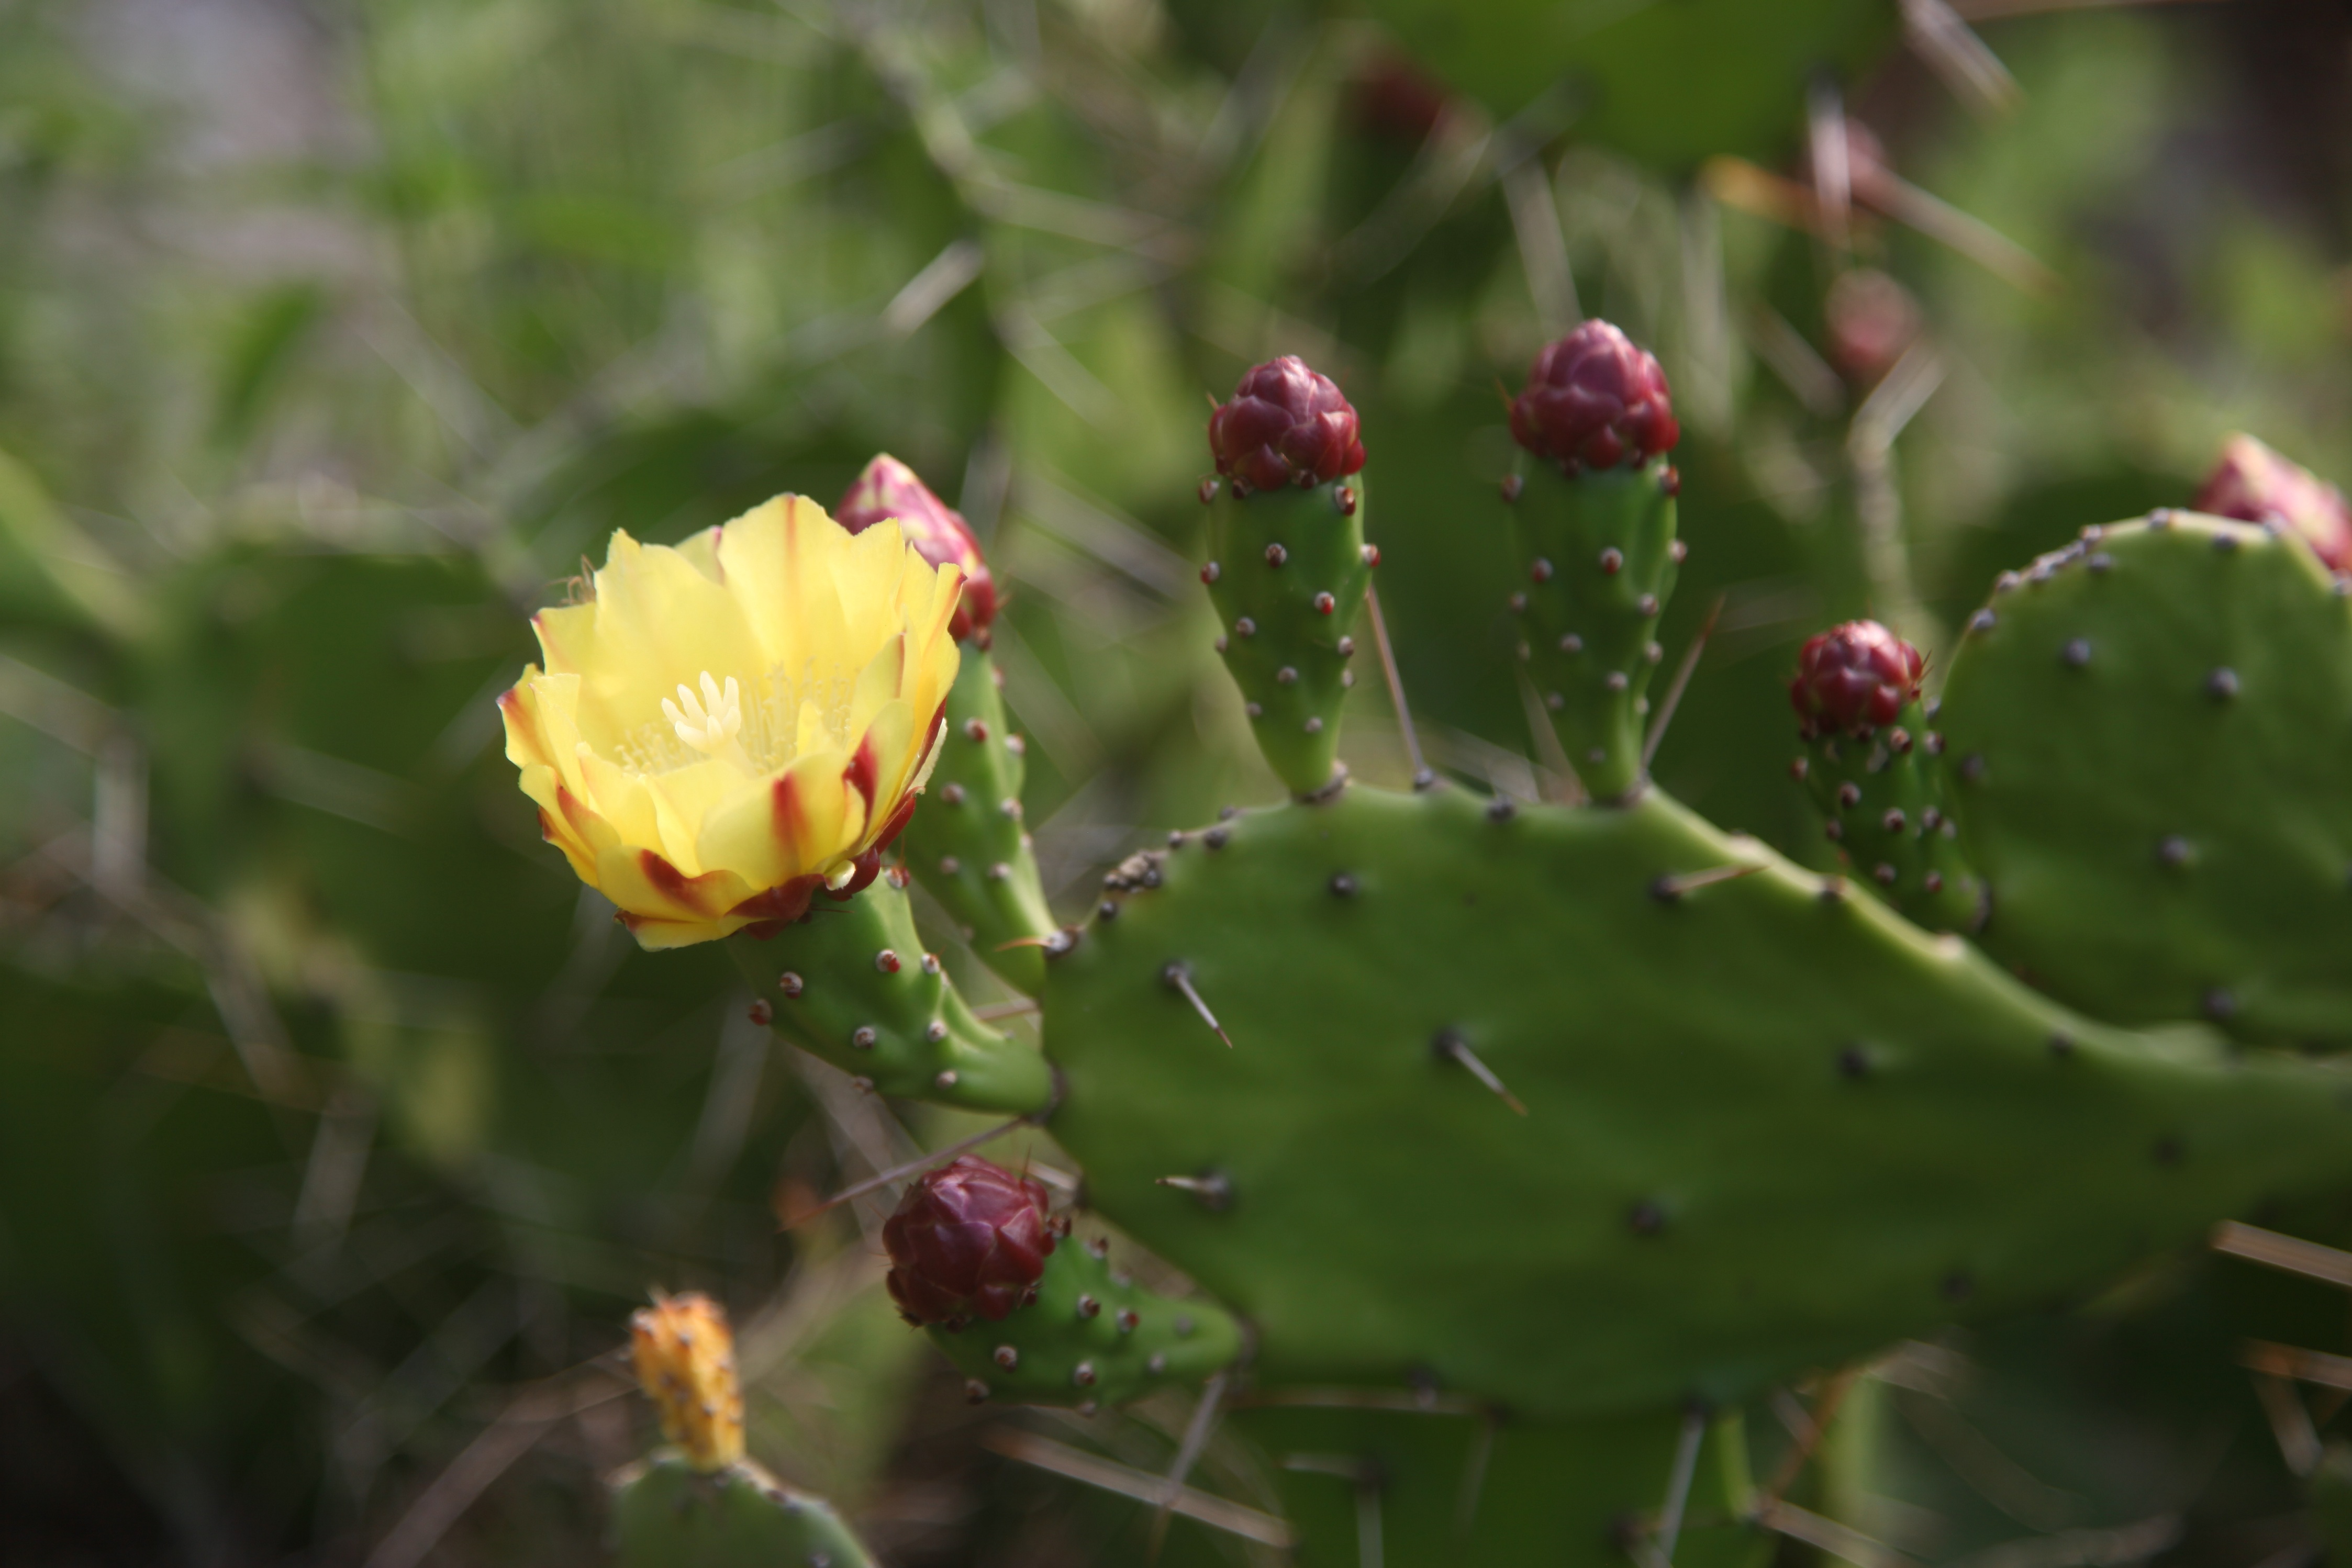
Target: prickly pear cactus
{"points": [[1592, 530], [1508, 1149], [1091, 1338], [1874, 768], [666, 1514], [853, 984], [2146, 731], [1440, 1486], [1288, 566], [701, 1501], [970, 851]]}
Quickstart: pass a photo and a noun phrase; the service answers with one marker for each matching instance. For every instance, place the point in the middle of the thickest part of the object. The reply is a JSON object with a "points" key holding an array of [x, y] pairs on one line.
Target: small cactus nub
{"points": [[1594, 399], [888, 489], [684, 1358], [969, 1240], [1853, 678], [1286, 425]]}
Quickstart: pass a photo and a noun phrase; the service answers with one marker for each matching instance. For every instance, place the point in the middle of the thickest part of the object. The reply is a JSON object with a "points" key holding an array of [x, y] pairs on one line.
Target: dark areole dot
{"points": [[2169, 1152], [1646, 1217], [1343, 885], [1958, 1286], [1854, 1061], [2061, 1044]]}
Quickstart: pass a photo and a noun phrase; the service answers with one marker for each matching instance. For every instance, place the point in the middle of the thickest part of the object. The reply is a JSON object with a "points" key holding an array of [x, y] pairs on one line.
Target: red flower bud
{"points": [[1397, 98], [1873, 319], [2255, 484], [1853, 678], [889, 488], [970, 1240], [1594, 399], [1286, 425]]}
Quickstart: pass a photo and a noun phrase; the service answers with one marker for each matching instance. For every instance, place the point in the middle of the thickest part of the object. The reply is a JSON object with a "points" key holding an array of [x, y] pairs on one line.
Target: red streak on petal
{"points": [[780, 905], [896, 825], [787, 814], [864, 772], [575, 814], [673, 884]]}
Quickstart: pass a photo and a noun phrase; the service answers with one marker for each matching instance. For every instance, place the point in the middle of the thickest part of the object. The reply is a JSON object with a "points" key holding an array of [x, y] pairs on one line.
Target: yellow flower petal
{"points": [[772, 835]]}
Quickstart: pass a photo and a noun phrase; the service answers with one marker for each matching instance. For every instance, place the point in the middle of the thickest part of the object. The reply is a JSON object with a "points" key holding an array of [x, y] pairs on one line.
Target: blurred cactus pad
{"points": [[1094, 782]]}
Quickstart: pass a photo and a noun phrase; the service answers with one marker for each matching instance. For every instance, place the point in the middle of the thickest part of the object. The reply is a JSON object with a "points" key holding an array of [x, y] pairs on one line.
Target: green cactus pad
{"points": [[2152, 735], [1882, 799], [1450, 1487], [1596, 556], [965, 843], [1288, 572], [853, 985], [1769, 1124], [666, 1514], [1092, 1337]]}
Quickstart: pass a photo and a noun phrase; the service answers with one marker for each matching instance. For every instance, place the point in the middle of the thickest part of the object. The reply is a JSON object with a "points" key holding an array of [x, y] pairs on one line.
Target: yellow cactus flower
{"points": [[686, 1363], [727, 728]]}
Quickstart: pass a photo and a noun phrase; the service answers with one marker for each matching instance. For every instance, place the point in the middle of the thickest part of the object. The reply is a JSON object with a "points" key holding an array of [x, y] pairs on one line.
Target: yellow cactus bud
{"points": [[727, 728], [686, 1363]]}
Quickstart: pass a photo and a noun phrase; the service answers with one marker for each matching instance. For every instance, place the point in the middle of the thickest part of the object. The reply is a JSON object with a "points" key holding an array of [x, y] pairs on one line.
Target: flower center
{"points": [[758, 731]]}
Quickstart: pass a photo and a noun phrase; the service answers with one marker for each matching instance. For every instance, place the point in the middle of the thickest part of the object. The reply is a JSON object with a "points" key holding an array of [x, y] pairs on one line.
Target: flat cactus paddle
{"points": [[2151, 738], [1767, 1124]]}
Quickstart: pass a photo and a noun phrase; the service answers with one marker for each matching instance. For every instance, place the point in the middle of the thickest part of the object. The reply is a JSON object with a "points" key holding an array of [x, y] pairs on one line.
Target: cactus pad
{"points": [[1767, 1123], [1596, 556], [2151, 732], [666, 1514], [851, 984], [1451, 1487], [966, 844], [1287, 570], [1092, 1336]]}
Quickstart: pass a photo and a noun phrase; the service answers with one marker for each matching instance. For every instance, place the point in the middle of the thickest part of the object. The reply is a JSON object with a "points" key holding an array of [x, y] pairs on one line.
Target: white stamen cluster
{"points": [[712, 722]]}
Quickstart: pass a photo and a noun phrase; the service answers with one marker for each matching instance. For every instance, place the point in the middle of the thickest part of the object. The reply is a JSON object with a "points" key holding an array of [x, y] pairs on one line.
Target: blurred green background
{"points": [[340, 1129]]}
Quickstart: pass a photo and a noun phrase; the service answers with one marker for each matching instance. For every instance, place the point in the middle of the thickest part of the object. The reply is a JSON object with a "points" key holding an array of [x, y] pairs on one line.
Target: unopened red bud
{"points": [[968, 1240], [889, 489], [1396, 98], [1871, 320], [1286, 425], [2255, 483], [1594, 399], [1853, 678]]}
